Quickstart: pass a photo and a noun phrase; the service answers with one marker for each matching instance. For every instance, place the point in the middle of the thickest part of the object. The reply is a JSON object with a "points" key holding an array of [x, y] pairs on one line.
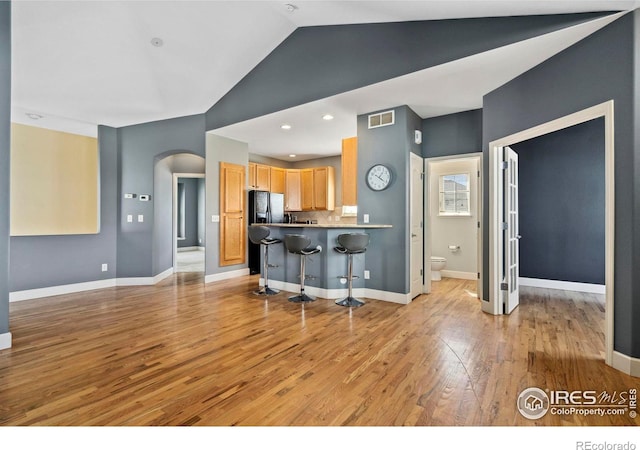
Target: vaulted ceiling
{"points": [[78, 64]]}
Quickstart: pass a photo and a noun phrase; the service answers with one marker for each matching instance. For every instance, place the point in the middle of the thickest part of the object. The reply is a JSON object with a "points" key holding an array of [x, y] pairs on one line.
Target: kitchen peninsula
{"points": [[327, 267]]}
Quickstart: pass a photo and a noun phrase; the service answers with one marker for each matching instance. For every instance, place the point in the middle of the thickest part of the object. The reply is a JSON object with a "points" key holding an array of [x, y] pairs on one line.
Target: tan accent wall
{"points": [[54, 182]]}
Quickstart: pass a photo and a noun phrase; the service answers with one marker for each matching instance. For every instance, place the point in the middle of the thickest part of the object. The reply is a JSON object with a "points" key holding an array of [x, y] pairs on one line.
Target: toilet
{"points": [[437, 264]]}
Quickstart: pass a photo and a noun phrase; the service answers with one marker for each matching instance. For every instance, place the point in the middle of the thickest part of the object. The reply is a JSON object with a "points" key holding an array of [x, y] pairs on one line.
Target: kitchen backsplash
{"points": [[324, 217]]}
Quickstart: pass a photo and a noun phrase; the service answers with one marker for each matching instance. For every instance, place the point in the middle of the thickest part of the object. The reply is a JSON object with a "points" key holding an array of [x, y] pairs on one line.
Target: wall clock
{"points": [[379, 177]]}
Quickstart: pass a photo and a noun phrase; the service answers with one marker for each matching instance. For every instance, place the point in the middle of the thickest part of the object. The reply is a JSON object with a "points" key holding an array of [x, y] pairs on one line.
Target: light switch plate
{"points": [[215, 218], [366, 218], [129, 218], [140, 218]]}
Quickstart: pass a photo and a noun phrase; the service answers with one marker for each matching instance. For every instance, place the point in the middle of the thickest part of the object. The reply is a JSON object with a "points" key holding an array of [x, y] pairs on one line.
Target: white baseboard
{"points": [[190, 249], [459, 275], [373, 294], [563, 285], [144, 281], [29, 294], [226, 275], [5, 340], [626, 364], [60, 290]]}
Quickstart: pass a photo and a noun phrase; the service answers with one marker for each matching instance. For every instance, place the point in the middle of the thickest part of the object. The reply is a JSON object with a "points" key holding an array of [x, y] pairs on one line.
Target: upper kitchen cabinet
{"points": [[259, 177], [292, 197], [350, 171], [307, 189], [278, 182], [317, 188], [324, 188]]}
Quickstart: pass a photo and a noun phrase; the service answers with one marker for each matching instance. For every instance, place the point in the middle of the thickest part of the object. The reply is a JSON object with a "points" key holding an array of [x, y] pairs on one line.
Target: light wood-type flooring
{"points": [[186, 353]]}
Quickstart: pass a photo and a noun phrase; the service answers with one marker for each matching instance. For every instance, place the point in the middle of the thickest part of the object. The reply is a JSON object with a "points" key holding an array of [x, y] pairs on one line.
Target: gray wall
{"points": [[60, 260], [140, 146], [562, 204], [388, 253], [5, 127], [596, 69], [318, 62], [452, 134]]}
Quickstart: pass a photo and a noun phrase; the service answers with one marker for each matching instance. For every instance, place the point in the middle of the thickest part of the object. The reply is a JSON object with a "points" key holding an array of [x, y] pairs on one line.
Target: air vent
{"points": [[381, 119]]}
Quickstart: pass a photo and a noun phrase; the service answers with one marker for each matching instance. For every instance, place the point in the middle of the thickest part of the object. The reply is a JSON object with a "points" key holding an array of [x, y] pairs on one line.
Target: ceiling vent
{"points": [[381, 119]]}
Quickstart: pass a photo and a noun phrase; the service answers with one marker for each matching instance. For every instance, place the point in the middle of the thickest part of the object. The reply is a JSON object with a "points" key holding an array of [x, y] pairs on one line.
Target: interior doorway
{"points": [[188, 223], [453, 213], [498, 204]]}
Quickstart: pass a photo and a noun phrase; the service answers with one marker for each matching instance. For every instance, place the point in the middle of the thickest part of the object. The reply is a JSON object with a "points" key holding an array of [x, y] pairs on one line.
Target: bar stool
{"points": [[351, 244], [300, 244], [260, 235]]}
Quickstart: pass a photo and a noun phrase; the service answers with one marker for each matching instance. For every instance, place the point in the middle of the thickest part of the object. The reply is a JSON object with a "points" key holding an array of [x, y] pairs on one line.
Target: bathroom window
{"points": [[454, 195]]}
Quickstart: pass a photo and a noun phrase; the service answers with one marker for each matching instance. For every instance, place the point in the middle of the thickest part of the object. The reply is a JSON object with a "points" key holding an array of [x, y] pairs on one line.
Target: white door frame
{"points": [[427, 214], [175, 213], [417, 160], [606, 109]]}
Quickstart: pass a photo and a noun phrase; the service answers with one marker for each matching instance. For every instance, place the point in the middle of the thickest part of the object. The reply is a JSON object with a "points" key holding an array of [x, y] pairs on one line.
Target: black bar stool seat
{"points": [[300, 244], [351, 244], [260, 235]]}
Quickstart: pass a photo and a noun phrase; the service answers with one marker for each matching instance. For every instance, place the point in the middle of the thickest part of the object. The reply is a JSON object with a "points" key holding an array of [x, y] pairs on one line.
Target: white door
{"points": [[511, 234], [417, 219]]}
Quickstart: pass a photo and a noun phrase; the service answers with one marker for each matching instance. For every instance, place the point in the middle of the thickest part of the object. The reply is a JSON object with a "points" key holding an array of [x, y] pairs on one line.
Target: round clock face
{"points": [[378, 177]]}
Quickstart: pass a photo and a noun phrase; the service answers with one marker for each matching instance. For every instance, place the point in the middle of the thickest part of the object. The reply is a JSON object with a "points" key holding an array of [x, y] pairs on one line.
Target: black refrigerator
{"points": [[264, 207]]}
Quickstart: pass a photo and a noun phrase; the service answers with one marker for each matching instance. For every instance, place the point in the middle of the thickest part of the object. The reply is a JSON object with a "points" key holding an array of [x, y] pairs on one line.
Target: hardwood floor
{"points": [[186, 353]]}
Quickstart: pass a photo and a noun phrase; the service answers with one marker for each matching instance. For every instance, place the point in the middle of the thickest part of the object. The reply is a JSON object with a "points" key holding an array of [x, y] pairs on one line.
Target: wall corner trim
{"points": [[626, 364], [5, 340], [226, 275]]}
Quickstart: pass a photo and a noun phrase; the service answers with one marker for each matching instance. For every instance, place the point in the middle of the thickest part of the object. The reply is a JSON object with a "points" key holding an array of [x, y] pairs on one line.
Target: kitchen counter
{"points": [[329, 267], [322, 225]]}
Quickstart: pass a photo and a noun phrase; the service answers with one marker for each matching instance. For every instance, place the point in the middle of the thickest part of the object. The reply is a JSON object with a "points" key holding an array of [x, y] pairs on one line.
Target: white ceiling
{"points": [[83, 63]]}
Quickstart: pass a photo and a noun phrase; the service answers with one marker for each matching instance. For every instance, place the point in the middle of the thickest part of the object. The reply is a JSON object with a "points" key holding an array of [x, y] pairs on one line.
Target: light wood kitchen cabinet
{"points": [[278, 180], [232, 214], [350, 171], [263, 177], [324, 189], [252, 176], [259, 177], [292, 197], [306, 189]]}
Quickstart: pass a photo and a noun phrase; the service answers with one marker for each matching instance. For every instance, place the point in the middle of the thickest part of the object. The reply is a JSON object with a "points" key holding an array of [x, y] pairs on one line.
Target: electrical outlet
{"points": [[140, 218], [366, 218], [367, 275], [337, 218], [105, 267], [129, 218]]}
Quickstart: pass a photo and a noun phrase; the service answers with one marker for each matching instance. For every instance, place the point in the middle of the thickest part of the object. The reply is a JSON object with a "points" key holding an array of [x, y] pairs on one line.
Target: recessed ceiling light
{"points": [[327, 117], [285, 126], [290, 7], [157, 42], [292, 156], [34, 116]]}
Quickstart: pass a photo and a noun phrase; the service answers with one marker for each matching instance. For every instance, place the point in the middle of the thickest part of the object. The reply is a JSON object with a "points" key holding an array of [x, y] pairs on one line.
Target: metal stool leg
{"points": [[350, 301], [302, 297], [266, 290]]}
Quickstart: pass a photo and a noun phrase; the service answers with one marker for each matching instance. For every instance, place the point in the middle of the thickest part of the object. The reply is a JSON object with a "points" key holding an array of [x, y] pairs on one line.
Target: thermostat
{"points": [[145, 197]]}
